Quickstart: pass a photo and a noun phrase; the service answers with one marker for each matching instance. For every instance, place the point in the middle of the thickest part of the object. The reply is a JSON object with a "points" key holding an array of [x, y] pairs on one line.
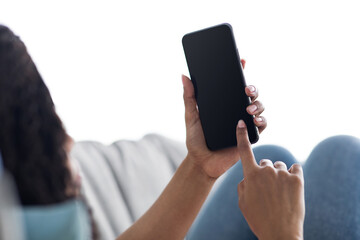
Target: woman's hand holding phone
{"points": [[214, 163]]}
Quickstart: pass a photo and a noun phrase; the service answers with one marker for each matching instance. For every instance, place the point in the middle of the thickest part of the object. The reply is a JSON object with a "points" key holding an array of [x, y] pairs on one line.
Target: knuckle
{"points": [[258, 104], [283, 174], [296, 180], [188, 117], [191, 117], [280, 163], [269, 170], [262, 108], [264, 125], [265, 161], [297, 165]]}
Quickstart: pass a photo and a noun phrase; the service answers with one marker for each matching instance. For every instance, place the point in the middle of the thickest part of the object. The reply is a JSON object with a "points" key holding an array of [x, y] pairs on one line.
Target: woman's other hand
{"points": [[271, 197]]}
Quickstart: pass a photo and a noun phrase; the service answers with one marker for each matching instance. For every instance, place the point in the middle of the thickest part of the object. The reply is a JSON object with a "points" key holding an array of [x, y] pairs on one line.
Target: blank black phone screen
{"points": [[216, 73]]}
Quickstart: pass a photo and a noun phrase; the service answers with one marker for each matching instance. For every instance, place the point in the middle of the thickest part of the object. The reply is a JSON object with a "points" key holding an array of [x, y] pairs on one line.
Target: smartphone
{"points": [[216, 73]]}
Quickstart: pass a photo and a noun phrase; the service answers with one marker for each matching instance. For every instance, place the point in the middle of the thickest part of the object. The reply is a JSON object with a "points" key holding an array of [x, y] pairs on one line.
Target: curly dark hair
{"points": [[32, 136]]}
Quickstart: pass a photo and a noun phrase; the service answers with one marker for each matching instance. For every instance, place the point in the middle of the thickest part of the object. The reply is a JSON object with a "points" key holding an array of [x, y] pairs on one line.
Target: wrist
{"points": [[198, 171], [283, 231], [295, 233]]}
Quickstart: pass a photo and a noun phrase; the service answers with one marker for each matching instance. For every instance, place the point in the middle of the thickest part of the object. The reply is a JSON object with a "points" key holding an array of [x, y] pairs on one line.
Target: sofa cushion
{"points": [[122, 180]]}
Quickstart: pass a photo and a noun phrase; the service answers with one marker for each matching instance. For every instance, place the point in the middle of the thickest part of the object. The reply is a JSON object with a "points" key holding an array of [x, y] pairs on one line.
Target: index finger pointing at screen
{"points": [[244, 148]]}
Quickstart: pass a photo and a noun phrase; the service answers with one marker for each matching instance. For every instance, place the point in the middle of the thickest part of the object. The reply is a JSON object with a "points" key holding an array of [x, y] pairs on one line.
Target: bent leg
{"points": [[220, 217], [332, 190]]}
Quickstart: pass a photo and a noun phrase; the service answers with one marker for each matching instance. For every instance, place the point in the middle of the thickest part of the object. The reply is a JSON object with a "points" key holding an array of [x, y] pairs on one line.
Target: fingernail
{"points": [[252, 89], [258, 119], [241, 124], [252, 108]]}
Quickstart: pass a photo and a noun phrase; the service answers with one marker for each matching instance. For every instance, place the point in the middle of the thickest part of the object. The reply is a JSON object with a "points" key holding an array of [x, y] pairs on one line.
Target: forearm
{"points": [[172, 214]]}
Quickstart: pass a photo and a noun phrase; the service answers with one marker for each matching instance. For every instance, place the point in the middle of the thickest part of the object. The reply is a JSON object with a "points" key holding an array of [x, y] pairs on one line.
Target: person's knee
{"points": [[338, 143], [340, 140], [274, 153], [337, 148]]}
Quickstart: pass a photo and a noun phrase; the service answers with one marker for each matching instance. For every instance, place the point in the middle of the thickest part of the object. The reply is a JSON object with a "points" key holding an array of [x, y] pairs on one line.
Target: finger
{"points": [[189, 97], [266, 162], [297, 170], [243, 62], [280, 165], [256, 108], [244, 148], [252, 92], [261, 123]]}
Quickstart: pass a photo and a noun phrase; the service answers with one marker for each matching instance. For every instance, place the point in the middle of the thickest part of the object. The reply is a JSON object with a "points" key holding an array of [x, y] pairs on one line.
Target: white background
{"points": [[114, 67]]}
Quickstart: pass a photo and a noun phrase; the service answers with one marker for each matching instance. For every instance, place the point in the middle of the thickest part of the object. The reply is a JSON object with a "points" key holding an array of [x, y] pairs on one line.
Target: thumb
{"points": [[244, 148], [189, 99]]}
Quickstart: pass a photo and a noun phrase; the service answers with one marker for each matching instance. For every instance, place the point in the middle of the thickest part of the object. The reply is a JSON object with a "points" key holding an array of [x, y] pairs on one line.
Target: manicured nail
{"points": [[241, 124], [258, 119], [252, 108], [252, 89]]}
